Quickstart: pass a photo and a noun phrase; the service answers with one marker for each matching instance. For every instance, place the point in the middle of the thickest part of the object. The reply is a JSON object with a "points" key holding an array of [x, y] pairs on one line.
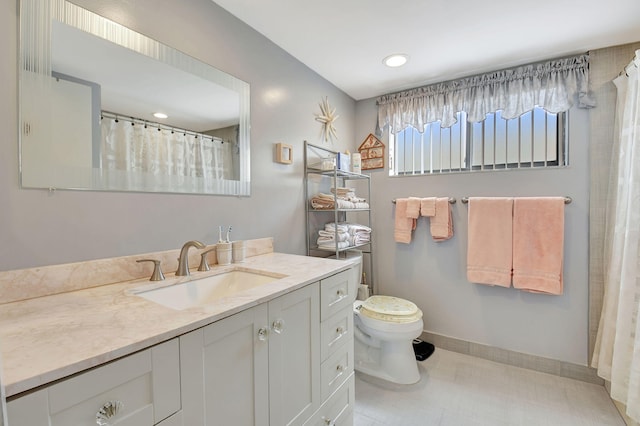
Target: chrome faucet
{"points": [[183, 260]]}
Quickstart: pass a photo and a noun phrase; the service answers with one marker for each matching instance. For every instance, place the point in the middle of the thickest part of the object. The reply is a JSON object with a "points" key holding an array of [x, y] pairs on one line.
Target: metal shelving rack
{"points": [[322, 180]]}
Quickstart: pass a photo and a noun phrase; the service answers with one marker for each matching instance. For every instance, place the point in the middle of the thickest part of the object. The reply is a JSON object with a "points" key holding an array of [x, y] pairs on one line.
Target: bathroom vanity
{"points": [[276, 354]]}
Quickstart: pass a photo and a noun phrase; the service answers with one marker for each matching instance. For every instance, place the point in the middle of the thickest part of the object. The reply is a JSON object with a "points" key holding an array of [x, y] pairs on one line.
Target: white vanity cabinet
{"points": [[258, 367], [336, 371], [145, 388], [286, 362]]}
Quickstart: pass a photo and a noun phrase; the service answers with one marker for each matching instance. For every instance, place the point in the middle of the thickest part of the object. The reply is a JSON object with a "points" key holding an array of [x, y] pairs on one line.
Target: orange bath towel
{"points": [[490, 241], [403, 225], [538, 244], [442, 222]]}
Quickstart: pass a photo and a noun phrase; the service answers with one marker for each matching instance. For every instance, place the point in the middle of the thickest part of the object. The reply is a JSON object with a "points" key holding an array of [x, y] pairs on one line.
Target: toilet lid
{"points": [[390, 309]]}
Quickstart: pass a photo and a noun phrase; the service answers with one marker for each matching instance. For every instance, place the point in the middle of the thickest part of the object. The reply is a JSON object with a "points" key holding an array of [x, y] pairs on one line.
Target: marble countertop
{"points": [[48, 338]]}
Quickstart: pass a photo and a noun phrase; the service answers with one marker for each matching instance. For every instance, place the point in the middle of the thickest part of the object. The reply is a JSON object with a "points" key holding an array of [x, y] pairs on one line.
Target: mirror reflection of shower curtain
{"points": [[149, 151], [617, 350]]}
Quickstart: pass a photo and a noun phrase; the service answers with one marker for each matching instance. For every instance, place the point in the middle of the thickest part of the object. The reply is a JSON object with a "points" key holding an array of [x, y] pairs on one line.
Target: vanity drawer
{"points": [[336, 369], [336, 292], [145, 385], [335, 331], [338, 409]]}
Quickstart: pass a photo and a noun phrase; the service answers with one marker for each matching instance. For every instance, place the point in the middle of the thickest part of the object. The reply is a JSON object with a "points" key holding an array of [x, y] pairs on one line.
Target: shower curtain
{"points": [[148, 154], [617, 350]]}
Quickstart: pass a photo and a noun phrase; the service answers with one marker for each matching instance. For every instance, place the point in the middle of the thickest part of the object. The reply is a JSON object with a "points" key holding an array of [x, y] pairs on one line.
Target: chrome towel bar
{"points": [[567, 200], [451, 201]]}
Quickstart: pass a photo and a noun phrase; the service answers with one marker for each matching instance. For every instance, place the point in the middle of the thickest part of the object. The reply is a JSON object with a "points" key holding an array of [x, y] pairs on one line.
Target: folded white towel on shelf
{"points": [[361, 239], [354, 199], [361, 205], [322, 201], [327, 235], [356, 227], [341, 227], [332, 245], [351, 233]]}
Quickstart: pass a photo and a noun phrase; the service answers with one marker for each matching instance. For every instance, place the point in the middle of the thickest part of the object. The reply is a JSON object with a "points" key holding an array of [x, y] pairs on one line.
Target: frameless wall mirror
{"points": [[89, 89]]}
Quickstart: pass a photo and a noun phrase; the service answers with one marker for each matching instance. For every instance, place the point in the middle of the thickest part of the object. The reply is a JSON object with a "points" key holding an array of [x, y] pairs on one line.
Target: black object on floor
{"points": [[422, 349]]}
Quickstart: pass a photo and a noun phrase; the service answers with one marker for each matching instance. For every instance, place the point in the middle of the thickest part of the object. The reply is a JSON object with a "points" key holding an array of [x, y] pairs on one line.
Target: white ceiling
{"points": [[345, 40]]}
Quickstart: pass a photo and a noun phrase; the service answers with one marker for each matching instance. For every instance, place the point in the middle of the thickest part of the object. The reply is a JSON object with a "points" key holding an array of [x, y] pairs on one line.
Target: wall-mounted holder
{"points": [[284, 153]]}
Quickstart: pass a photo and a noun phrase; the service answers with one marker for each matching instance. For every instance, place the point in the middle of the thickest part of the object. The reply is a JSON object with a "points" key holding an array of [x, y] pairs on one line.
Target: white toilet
{"points": [[384, 329]]}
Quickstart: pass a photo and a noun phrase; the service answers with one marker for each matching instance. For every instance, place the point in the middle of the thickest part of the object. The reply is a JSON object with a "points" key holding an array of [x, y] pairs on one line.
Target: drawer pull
{"points": [[263, 334], [278, 326], [108, 411], [329, 422]]}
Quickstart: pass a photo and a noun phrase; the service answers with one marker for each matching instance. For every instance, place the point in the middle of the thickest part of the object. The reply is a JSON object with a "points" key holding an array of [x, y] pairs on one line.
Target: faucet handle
{"points": [[204, 265], [157, 271]]}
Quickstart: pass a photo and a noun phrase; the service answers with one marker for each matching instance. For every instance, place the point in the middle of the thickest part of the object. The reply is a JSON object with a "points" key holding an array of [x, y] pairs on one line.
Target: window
{"points": [[535, 139]]}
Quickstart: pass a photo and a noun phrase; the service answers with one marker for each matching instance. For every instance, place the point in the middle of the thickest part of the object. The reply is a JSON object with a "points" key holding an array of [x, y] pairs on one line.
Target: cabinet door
{"points": [[224, 371], [294, 356]]}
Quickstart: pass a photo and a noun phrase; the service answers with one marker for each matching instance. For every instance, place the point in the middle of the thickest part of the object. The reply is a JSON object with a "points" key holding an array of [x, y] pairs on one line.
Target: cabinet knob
{"points": [[263, 334], [108, 411], [339, 330], [278, 326], [329, 422], [340, 368]]}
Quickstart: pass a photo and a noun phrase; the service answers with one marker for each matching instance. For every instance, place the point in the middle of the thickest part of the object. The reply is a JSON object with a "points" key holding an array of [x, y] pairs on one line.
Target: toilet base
{"points": [[392, 361]]}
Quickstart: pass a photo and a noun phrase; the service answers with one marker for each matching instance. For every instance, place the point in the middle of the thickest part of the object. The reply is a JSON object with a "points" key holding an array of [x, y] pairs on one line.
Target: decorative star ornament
{"points": [[327, 117]]}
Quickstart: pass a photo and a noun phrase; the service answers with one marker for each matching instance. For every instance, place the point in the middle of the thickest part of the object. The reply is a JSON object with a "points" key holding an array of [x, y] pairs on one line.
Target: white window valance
{"points": [[552, 85]]}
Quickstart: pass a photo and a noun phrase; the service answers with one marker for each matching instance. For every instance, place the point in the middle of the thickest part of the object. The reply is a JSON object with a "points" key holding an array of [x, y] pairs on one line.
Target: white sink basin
{"points": [[205, 291]]}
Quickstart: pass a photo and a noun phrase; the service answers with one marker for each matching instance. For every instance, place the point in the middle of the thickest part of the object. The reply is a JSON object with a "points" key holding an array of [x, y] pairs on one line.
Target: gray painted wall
{"points": [[433, 275], [38, 228]]}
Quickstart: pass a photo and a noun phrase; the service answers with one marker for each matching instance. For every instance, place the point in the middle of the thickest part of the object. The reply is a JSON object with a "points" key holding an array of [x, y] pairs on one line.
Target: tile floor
{"points": [[457, 389]]}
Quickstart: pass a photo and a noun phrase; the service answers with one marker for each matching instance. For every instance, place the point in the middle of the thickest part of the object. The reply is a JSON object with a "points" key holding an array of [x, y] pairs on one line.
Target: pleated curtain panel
{"points": [[552, 85], [617, 351]]}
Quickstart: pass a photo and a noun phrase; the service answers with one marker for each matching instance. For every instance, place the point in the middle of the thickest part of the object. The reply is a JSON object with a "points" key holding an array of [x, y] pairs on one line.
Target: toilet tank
{"points": [[355, 257]]}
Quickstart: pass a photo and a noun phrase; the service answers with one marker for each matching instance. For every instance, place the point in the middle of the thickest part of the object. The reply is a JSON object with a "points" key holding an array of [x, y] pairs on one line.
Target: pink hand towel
{"points": [[442, 221], [538, 244], [403, 225], [413, 207], [428, 206], [489, 251]]}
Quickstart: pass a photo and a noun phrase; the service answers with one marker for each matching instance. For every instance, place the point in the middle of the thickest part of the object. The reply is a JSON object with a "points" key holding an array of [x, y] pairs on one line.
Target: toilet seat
{"points": [[390, 309]]}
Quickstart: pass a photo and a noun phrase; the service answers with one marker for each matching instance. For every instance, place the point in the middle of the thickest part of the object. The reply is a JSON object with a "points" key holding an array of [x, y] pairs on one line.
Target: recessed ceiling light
{"points": [[396, 60], [160, 115]]}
